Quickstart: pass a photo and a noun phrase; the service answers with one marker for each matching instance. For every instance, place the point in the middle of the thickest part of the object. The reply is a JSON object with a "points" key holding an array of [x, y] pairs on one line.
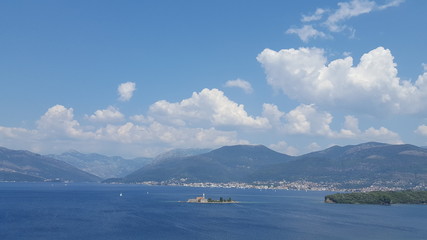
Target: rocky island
{"points": [[379, 197], [203, 199]]}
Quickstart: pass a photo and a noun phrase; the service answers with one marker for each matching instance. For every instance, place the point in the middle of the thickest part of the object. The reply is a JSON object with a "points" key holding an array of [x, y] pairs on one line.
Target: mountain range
{"points": [[356, 166], [226, 164], [25, 166], [352, 166], [101, 165]]}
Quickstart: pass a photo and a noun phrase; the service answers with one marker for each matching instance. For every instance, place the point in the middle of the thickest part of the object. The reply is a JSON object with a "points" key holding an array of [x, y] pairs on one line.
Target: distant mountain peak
{"points": [[181, 152]]}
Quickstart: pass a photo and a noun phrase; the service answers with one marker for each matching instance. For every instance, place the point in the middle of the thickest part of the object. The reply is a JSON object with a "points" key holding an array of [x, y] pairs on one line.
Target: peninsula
{"points": [[379, 197], [203, 199]]}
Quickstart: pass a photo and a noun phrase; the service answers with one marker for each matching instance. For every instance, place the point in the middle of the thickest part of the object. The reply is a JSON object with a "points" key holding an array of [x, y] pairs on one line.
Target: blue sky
{"points": [[136, 78]]}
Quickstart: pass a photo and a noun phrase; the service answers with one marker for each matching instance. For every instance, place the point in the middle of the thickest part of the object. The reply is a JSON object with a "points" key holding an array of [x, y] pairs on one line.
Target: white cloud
{"points": [[370, 87], [125, 91], [59, 121], [346, 11], [245, 85], [336, 18], [381, 135], [111, 114], [306, 119], [166, 135], [351, 127], [391, 3], [283, 147], [141, 119], [210, 106], [422, 130], [273, 114], [315, 17], [57, 131], [313, 147], [307, 32]]}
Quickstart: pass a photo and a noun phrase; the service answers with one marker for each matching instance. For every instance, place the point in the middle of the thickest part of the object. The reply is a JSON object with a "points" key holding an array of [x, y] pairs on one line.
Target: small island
{"points": [[379, 197], [203, 199]]}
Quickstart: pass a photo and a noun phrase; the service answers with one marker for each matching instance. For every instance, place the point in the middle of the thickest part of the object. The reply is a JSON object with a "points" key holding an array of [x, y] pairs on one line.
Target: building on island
{"points": [[198, 199]]}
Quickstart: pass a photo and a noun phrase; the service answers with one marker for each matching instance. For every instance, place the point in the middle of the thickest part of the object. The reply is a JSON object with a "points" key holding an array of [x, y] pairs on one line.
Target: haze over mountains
{"points": [[25, 166], [353, 166], [101, 165]]}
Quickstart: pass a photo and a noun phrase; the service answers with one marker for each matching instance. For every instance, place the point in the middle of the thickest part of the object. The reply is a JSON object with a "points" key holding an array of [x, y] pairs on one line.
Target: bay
{"points": [[102, 211]]}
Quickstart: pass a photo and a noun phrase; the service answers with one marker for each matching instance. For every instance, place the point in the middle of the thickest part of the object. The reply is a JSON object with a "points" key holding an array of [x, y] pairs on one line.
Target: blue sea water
{"points": [[101, 211]]}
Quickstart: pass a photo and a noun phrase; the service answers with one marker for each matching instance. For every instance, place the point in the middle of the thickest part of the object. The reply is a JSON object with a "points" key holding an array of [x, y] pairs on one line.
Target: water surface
{"points": [[100, 211]]}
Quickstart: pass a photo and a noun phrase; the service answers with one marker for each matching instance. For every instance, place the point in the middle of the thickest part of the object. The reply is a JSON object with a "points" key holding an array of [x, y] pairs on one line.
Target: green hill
{"points": [[378, 197]]}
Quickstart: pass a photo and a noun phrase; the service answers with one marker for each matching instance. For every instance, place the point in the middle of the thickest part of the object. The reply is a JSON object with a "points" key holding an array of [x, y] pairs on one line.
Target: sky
{"points": [[137, 78]]}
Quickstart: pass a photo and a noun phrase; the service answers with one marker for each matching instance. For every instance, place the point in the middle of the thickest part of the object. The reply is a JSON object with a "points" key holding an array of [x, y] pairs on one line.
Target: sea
{"points": [[106, 211]]}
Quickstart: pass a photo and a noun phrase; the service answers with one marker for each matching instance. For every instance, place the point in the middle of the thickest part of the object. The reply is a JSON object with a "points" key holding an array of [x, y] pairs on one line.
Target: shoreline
{"points": [[293, 186]]}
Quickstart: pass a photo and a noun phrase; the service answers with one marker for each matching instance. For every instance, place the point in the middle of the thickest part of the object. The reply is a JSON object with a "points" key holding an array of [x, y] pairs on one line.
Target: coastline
{"points": [[301, 185]]}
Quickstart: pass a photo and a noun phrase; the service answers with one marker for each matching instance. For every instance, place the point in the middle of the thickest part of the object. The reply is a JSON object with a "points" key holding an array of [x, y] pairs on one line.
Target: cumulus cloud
{"points": [[283, 147], [381, 135], [370, 87], [59, 121], [307, 32], [351, 127], [58, 131], [141, 119], [306, 119], [111, 114], [273, 114], [309, 120], [125, 91], [335, 20], [239, 83], [208, 106], [422, 130]]}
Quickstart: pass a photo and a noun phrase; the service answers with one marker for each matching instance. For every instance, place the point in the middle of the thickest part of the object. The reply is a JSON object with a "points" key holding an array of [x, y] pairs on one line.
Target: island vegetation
{"points": [[210, 200], [379, 197], [221, 200]]}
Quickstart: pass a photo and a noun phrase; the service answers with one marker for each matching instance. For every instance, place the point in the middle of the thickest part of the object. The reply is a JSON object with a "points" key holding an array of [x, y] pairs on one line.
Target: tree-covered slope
{"points": [[379, 197]]}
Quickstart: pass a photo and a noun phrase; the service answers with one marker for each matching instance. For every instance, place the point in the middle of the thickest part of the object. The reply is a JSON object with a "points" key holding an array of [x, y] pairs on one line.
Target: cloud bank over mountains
{"points": [[210, 119]]}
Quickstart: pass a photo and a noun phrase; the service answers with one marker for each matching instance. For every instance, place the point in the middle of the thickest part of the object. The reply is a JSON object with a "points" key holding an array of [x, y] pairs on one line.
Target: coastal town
{"points": [[300, 185]]}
